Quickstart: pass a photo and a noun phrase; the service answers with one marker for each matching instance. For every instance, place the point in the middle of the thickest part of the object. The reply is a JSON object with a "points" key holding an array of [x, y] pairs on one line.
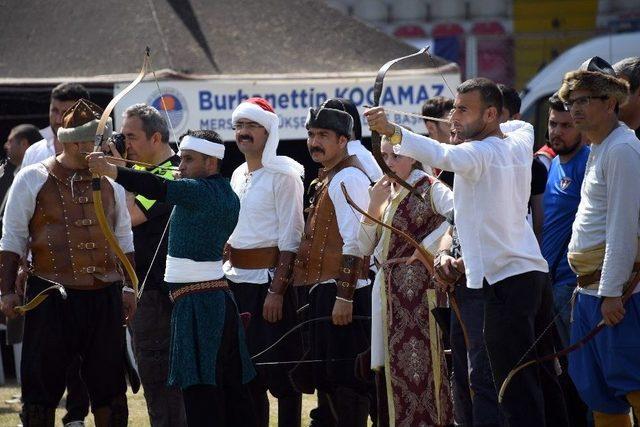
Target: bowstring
{"points": [[433, 63], [173, 134], [300, 326], [162, 101], [546, 329]]}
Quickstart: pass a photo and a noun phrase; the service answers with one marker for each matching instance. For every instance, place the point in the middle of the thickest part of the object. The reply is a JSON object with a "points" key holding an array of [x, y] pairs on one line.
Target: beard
{"points": [[471, 130], [567, 149]]}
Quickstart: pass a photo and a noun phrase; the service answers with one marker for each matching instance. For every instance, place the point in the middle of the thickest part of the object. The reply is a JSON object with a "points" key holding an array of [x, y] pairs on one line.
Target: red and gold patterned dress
{"points": [[406, 340]]}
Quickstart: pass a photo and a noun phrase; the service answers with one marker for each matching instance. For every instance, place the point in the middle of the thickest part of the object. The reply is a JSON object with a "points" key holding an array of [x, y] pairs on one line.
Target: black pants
{"points": [[261, 334], [471, 369], [228, 403], [88, 325], [517, 309], [347, 396], [151, 336], [77, 404]]}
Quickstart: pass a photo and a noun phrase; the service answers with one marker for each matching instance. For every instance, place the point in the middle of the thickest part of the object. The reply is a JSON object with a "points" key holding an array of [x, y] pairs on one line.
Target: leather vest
{"points": [[320, 253], [67, 244]]}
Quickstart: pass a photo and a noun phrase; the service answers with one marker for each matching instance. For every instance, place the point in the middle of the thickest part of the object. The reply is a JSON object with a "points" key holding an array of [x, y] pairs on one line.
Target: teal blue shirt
{"points": [[205, 214]]}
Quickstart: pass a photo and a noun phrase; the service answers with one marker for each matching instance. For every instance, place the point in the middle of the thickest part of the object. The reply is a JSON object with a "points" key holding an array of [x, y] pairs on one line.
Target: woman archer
{"points": [[406, 343]]}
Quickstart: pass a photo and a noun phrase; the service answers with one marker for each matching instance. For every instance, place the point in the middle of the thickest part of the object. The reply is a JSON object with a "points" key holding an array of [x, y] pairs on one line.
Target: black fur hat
{"points": [[331, 115], [347, 105]]}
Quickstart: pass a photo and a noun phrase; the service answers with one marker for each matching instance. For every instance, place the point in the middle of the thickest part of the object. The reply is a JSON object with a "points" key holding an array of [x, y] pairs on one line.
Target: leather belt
{"points": [[592, 281], [195, 288], [97, 284], [253, 259]]}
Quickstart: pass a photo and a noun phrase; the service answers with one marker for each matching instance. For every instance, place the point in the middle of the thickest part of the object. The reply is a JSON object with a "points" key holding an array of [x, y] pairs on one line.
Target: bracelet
{"points": [[367, 221], [350, 301], [444, 252], [272, 292], [440, 254], [128, 289]]}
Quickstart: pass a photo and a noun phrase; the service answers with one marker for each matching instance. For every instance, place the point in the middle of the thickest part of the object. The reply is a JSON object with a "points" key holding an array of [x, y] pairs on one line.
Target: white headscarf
{"points": [[368, 162], [254, 112]]}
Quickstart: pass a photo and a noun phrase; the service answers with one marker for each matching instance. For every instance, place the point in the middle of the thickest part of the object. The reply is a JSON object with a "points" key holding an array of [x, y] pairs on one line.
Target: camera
{"points": [[118, 140]]}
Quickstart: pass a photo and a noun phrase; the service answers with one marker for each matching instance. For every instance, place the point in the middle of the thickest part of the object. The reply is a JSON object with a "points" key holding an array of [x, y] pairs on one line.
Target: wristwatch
{"points": [[396, 138]]}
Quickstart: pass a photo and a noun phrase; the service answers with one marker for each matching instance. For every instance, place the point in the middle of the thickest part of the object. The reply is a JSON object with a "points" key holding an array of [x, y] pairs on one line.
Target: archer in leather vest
{"points": [[320, 254], [67, 244]]}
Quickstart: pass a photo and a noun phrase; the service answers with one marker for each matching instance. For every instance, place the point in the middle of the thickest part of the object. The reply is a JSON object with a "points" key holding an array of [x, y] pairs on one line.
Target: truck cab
{"points": [[535, 106]]}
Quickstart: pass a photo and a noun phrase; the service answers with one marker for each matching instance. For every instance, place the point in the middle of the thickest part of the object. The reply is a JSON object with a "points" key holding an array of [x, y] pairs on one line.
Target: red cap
{"points": [[262, 103]]}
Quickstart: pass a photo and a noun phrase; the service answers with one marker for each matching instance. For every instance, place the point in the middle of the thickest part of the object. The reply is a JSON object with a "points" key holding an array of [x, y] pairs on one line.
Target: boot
{"points": [[611, 420], [382, 401], [324, 415], [38, 415], [260, 403], [634, 401], [289, 410], [351, 407], [116, 414]]}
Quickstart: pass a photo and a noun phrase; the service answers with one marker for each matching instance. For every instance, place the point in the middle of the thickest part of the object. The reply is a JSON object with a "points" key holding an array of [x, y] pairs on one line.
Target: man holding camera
{"points": [[146, 139]]}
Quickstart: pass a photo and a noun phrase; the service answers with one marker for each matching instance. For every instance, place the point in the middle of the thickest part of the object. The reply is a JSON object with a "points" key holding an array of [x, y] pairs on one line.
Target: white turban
{"points": [[254, 109]]}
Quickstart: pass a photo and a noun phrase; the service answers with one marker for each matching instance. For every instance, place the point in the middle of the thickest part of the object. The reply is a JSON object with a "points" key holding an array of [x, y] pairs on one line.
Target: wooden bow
{"points": [[39, 299], [96, 181], [573, 347], [427, 259], [375, 136]]}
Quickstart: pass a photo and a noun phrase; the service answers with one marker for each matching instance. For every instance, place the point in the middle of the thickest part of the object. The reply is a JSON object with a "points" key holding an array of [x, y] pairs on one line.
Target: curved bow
{"points": [[375, 136], [96, 181], [300, 326], [428, 259], [573, 347], [39, 298]]}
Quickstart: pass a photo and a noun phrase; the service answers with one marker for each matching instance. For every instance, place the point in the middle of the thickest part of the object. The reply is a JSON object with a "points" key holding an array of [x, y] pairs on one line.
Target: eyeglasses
{"points": [[249, 126], [582, 101]]}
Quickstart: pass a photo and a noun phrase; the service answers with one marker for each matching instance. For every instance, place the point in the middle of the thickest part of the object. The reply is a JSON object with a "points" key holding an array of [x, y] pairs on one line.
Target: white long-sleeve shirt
{"points": [[21, 204], [270, 215], [491, 193], [40, 150], [348, 219], [609, 209]]}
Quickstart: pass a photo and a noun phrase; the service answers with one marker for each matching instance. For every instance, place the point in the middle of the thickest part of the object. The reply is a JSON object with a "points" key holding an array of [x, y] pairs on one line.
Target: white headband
{"points": [[202, 146]]}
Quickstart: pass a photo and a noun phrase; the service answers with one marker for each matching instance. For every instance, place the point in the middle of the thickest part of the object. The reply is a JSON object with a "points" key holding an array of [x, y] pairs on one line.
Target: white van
{"points": [[612, 48]]}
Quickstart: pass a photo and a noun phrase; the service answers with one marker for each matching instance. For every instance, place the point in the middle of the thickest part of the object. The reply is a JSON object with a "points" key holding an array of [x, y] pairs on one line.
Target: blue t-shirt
{"points": [[561, 199]]}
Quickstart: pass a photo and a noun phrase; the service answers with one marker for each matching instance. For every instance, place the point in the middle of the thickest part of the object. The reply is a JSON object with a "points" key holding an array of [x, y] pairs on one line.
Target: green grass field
{"points": [[137, 409]]}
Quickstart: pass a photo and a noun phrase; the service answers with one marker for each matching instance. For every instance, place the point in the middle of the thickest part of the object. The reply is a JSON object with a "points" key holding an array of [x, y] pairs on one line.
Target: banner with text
{"points": [[208, 104]]}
